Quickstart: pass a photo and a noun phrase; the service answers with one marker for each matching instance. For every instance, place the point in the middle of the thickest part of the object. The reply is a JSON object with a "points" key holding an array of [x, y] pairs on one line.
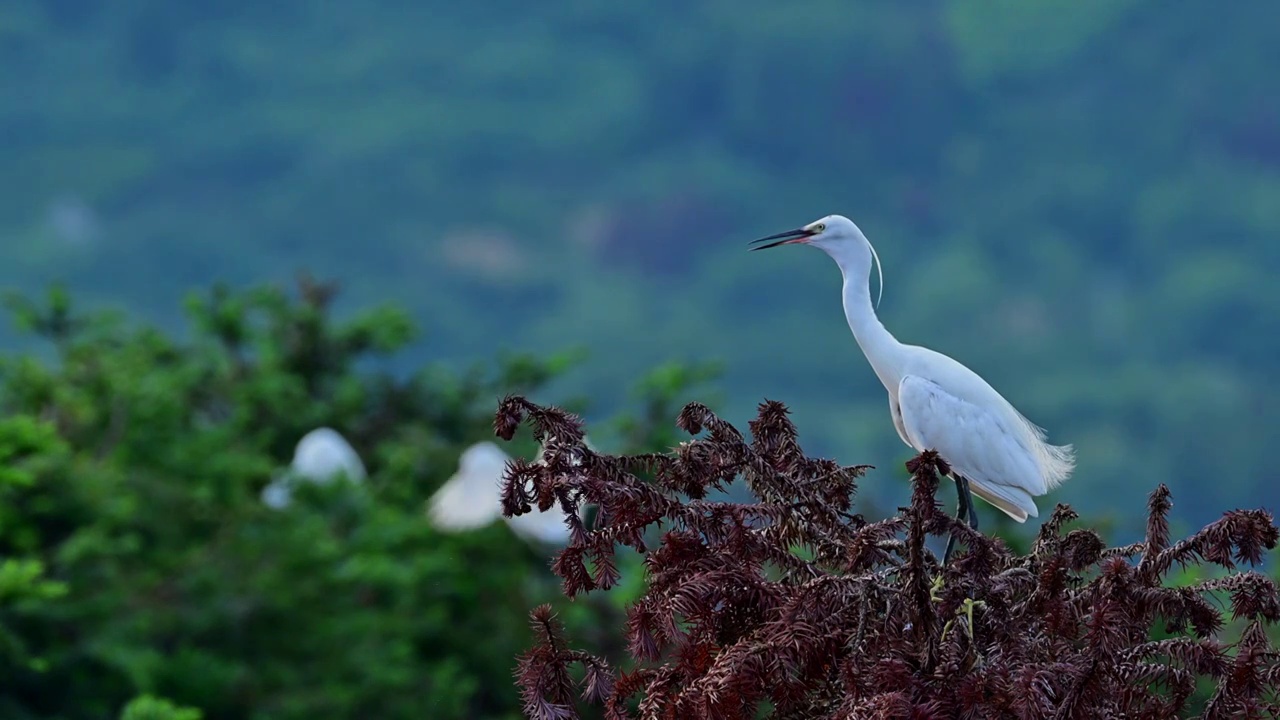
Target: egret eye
{"points": [[818, 228]]}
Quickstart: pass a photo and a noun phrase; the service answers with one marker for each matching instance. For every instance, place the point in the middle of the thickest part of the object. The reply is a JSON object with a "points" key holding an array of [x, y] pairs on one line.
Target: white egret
{"points": [[321, 456], [472, 499], [935, 402]]}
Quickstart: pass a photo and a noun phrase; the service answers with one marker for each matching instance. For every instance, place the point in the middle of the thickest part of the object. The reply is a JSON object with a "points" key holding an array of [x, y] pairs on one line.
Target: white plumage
{"points": [[982, 436], [472, 499], [321, 456], [935, 402]]}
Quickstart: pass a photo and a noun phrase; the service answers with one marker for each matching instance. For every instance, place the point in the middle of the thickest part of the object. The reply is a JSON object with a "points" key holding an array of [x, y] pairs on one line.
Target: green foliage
{"points": [[146, 707], [137, 558], [27, 447]]}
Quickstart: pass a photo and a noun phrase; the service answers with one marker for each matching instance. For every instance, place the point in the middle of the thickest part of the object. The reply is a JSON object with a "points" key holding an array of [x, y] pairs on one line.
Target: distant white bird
{"points": [[472, 499], [321, 456], [937, 403]]}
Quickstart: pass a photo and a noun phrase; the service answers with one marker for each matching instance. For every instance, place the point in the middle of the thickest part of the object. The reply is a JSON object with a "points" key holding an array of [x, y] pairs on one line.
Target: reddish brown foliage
{"points": [[873, 626]]}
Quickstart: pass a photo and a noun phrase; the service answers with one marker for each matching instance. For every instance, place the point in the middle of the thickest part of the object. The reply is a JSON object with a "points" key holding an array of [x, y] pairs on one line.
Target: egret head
{"points": [[837, 236]]}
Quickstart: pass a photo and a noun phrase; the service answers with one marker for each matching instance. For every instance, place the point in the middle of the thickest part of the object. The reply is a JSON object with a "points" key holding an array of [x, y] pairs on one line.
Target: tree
{"points": [[136, 557], [793, 602]]}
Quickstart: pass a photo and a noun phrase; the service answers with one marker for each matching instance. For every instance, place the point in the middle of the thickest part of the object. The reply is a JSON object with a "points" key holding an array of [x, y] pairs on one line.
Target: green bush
{"points": [[136, 556], [147, 707]]}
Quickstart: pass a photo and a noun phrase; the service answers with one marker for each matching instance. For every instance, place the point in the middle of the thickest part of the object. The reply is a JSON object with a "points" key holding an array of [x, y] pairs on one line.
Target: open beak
{"points": [[790, 237]]}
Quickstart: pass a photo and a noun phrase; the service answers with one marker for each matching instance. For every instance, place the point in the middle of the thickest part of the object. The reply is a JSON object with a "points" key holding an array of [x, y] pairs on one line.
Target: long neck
{"points": [[882, 349]]}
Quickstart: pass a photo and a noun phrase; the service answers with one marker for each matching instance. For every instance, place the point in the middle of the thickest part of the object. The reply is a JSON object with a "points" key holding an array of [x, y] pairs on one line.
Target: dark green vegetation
{"points": [[1078, 198], [136, 556], [795, 603]]}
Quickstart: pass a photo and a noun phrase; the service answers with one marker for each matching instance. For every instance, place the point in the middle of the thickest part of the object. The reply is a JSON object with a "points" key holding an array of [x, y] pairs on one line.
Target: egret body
{"points": [[935, 402], [472, 499], [321, 456]]}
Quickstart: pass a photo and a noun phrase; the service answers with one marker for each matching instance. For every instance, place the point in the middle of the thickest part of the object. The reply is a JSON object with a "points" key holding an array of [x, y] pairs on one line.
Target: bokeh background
{"points": [[1078, 199]]}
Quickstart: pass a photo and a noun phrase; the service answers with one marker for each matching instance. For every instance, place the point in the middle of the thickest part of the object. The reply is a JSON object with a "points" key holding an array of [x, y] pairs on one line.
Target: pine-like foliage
{"points": [[795, 603]]}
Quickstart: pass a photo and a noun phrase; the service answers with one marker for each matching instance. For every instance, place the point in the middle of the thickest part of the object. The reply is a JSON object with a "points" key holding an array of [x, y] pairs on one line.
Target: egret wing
{"points": [[545, 527], [323, 454], [464, 504], [976, 443], [896, 413]]}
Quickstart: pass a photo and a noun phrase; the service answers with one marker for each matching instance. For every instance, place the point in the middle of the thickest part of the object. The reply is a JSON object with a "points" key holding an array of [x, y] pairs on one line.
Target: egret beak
{"points": [[790, 237]]}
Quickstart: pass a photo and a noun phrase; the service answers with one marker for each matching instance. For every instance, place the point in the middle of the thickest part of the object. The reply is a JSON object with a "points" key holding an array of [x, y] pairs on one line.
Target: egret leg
{"points": [[973, 510], [964, 510]]}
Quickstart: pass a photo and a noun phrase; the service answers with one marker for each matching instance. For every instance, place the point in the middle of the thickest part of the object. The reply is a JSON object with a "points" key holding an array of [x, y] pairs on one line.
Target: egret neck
{"points": [[882, 349]]}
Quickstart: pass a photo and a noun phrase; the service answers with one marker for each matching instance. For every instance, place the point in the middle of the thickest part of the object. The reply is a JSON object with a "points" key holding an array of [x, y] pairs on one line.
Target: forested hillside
{"points": [[1079, 199]]}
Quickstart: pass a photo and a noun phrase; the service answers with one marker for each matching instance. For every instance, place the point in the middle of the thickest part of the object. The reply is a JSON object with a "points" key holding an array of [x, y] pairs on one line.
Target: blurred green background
{"points": [[1080, 200]]}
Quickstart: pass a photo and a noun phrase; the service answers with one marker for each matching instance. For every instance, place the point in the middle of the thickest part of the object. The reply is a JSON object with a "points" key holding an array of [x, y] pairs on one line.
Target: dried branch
{"points": [[795, 600]]}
